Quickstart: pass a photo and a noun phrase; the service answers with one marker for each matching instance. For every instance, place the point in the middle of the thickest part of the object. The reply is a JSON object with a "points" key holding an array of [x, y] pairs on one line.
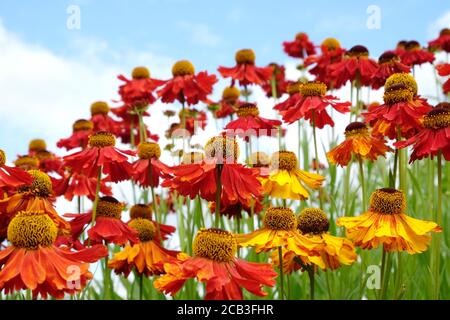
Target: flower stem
{"points": [[154, 207], [437, 249], [141, 286], [280, 266], [218, 193], [97, 192], [311, 281], [317, 156], [363, 186]]}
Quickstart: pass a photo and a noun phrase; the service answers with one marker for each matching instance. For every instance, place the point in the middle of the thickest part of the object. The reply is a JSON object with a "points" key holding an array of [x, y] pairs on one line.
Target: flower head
{"points": [[300, 47]]}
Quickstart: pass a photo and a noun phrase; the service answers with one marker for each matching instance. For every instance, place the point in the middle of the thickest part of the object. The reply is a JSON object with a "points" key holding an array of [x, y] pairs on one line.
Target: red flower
{"points": [[101, 153], [415, 55], [224, 274], [138, 92], [388, 64], [442, 42], [100, 118], [311, 104], [355, 66], [444, 70], [433, 138], [78, 185], [82, 129], [11, 177], [49, 162], [279, 77], [245, 70], [235, 210], [186, 86], [194, 119], [229, 102], [300, 47], [250, 123], [149, 164]]}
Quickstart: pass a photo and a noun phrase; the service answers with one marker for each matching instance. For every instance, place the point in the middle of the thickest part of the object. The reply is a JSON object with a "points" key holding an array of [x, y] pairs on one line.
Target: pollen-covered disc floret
{"points": [[230, 93], [293, 88], [109, 207], [222, 148], [183, 68], [356, 129], [397, 93], [245, 56], [259, 160], [438, 118], [149, 150], [141, 211], [37, 145], [102, 139], [2, 157], [313, 89], [41, 185], [192, 157], [279, 218], [331, 44], [99, 107], [405, 79], [284, 160], [313, 220], [412, 45], [31, 229], [27, 162], [358, 51], [388, 57], [140, 73], [247, 109], [144, 227], [82, 125], [388, 201], [215, 244]]}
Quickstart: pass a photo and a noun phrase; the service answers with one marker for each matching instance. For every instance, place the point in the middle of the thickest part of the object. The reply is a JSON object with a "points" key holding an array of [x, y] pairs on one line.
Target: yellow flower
{"points": [[386, 223], [286, 181]]}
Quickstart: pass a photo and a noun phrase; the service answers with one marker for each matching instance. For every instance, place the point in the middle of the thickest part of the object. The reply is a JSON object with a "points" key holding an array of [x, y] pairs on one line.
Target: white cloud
{"points": [[201, 34]]}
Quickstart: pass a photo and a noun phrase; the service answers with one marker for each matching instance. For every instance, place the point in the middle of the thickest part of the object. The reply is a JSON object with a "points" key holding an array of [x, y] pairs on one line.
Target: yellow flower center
{"points": [[245, 56], [215, 244], [445, 32], [141, 211], [99, 107], [31, 229], [109, 207], [331, 44], [247, 109], [412, 45], [102, 139], [144, 227], [149, 150], [183, 68], [44, 155], [313, 89], [259, 160], [397, 93], [284, 160], [27, 162], [293, 88], [388, 201], [140, 73], [402, 78], [2, 158], [192, 157], [280, 218], [388, 57], [438, 118], [41, 186], [356, 129], [230, 93], [358, 51], [37, 145], [313, 220], [222, 148], [82, 125]]}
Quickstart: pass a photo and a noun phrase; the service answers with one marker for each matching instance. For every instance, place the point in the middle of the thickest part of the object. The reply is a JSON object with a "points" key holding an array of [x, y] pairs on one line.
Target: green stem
{"points": [[317, 156], [157, 212], [97, 192], [383, 270], [363, 186], [280, 266], [218, 193], [141, 286], [311, 281], [437, 249]]}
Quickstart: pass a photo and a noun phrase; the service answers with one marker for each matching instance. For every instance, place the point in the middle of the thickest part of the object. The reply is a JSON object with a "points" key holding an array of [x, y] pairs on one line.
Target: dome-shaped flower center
{"points": [[401, 44], [192, 157], [144, 227], [2, 158], [230, 94], [245, 56], [37, 145], [293, 88], [412, 45], [301, 36], [388, 57], [356, 128], [280, 219], [313, 220], [388, 201], [445, 32], [149, 150], [44, 155], [215, 244], [331, 44], [41, 185], [27, 163], [109, 207], [82, 125], [102, 139], [313, 89], [397, 93], [30, 229], [140, 73], [443, 105], [437, 118], [284, 160], [402, 78], [141, 211], [247, 109], [259, 160], [99, 107], [222, 148], [183, 68], [358, 51]]}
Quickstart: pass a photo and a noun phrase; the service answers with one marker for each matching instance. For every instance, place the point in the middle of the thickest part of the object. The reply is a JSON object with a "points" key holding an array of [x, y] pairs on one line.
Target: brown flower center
{"points": [[388, 57], [109, 207], [215, 244], [37, 145], [313, 89], [397, 93], [355, 129], [82, 125], [412, 45], [388, 201], [438, 118], [280, 218], [102, 139], [141, 211], [358, 51], [245, 56], [313, 220], [140, 73]]}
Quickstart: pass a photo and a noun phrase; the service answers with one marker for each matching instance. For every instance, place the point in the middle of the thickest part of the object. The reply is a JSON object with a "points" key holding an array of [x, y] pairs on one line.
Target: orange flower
{"points": [[33, 262], [214, 262], [358, 142]]}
